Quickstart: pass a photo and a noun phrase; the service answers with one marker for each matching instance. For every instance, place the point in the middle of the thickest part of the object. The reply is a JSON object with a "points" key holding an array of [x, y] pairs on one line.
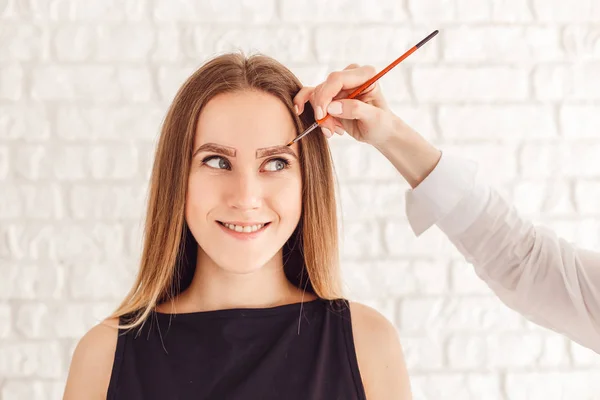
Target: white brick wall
{"points": [[512, 84]]}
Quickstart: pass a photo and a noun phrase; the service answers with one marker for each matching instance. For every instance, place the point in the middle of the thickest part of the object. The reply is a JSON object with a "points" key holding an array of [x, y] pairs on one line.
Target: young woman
{"points": [[238, 294]]}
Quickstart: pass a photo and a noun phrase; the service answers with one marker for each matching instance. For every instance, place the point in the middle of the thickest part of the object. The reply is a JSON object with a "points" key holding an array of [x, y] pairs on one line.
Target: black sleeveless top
{"points": [[296, 351]]}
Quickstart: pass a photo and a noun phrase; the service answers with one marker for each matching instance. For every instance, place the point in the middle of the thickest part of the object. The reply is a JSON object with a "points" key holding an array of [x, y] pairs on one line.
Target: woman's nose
{"points": [[245, 192]]}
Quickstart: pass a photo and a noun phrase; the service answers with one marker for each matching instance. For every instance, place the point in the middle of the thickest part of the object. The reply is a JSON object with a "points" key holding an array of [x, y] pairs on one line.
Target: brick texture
{"points": [[84, 85]]}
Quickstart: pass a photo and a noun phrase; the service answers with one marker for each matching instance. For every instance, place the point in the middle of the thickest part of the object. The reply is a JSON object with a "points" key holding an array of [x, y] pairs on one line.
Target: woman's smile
{"points": [[244, 230]]}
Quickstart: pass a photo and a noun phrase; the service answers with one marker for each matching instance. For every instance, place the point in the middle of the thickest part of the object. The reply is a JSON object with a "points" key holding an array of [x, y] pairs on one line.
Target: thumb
{"points": [[352, 109]]}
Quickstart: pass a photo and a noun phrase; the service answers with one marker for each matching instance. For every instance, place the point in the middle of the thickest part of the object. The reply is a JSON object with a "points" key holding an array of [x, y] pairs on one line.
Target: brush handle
{"points": [[384, 71], [368, 83]]}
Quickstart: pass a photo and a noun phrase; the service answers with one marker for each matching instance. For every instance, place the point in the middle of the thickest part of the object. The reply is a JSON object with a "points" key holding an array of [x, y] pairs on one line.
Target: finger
{"points": [[369, 88], [339, 129], [302, 97], [345, 92], [352, 109], [337, 81], [331, 126]]}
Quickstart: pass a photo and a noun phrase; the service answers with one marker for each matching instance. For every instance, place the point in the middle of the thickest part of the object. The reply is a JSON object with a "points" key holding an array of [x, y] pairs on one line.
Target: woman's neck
{"points": [[215, 288]]}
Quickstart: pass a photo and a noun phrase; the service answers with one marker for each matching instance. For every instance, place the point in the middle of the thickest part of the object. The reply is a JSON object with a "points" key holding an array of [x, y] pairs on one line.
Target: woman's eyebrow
{"points": [[230, 151], [270, 151], [215, 148]]}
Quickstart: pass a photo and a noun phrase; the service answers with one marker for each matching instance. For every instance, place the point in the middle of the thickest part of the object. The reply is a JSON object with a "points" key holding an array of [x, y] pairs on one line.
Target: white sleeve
{"points": [[533, 271]]}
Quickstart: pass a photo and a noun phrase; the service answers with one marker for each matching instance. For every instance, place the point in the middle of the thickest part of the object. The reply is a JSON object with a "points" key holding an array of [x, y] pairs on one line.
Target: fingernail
{"points": [[297, 109], [319, 112], [339, 130], [335, 108], [326, 131]]}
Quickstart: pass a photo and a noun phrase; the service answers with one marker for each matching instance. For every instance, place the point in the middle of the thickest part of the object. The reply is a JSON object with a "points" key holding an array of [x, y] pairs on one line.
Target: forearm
{"points": [[531, 269], [411, 154]]}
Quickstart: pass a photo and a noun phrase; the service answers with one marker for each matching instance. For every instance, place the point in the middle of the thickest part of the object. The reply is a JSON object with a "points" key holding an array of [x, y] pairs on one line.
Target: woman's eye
{"points": [[276, 164], [217, 162]]}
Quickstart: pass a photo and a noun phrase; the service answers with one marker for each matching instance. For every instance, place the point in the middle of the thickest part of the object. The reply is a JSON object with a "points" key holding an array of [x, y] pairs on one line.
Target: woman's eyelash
{"points": [[285, 161], [213, 157], [208, 158]]}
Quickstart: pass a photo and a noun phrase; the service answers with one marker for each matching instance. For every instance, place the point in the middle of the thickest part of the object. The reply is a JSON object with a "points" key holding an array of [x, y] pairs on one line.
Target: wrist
{"points": [[410, 153]]}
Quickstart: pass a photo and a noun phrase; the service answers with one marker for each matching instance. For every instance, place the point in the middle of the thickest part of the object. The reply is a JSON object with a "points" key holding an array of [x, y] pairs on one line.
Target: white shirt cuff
{"points": [[437, 199]]}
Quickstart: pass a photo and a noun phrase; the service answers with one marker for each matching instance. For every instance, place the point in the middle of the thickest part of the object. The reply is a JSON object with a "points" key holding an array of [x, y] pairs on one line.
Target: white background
{"points": [[512, 84]]}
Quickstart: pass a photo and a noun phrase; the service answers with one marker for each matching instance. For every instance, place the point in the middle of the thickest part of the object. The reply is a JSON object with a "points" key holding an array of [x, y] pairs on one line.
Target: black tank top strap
{"points": [[346, 322], [118, 361]]}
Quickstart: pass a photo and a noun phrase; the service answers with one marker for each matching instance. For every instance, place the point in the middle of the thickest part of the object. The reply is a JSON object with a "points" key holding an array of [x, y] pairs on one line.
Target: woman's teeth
{"points": [[246, 229]]}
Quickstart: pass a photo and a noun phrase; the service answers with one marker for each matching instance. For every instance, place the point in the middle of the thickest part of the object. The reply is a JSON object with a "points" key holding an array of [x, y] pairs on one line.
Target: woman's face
{"points": [[244, 196]]}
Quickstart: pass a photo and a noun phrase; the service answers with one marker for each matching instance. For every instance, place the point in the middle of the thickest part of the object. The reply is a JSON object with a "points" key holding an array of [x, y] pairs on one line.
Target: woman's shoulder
{"points": [[92, 361], [379, 354], [371, 328]]}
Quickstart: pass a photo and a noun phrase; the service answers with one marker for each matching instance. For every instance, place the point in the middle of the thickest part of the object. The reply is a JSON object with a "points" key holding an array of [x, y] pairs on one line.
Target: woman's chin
{"points": [[243, 263]]}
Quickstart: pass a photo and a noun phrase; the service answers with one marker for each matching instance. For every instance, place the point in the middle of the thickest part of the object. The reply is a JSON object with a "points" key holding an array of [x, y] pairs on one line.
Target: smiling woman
{"points": [[241, 178], [238, 292]]}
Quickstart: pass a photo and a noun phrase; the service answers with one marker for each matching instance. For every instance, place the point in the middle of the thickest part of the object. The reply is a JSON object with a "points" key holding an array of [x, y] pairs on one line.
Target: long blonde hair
{"points": [[169, 252]]}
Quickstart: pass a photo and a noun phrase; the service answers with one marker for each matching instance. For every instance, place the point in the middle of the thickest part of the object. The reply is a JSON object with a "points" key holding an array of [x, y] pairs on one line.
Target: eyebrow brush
{"points": [[368, 83]]}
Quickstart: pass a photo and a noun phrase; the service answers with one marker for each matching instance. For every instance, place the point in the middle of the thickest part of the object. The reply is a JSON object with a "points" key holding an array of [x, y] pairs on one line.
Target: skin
{"points": [[254, 189], [242, 173]]}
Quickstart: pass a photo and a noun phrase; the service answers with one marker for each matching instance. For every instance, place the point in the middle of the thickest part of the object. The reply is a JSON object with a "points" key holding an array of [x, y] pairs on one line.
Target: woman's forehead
{"points": [[247, 119]]}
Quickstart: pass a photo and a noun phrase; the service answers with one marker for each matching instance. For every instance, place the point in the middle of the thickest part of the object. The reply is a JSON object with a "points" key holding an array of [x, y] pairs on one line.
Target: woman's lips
{"points": [[244, 230]]}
